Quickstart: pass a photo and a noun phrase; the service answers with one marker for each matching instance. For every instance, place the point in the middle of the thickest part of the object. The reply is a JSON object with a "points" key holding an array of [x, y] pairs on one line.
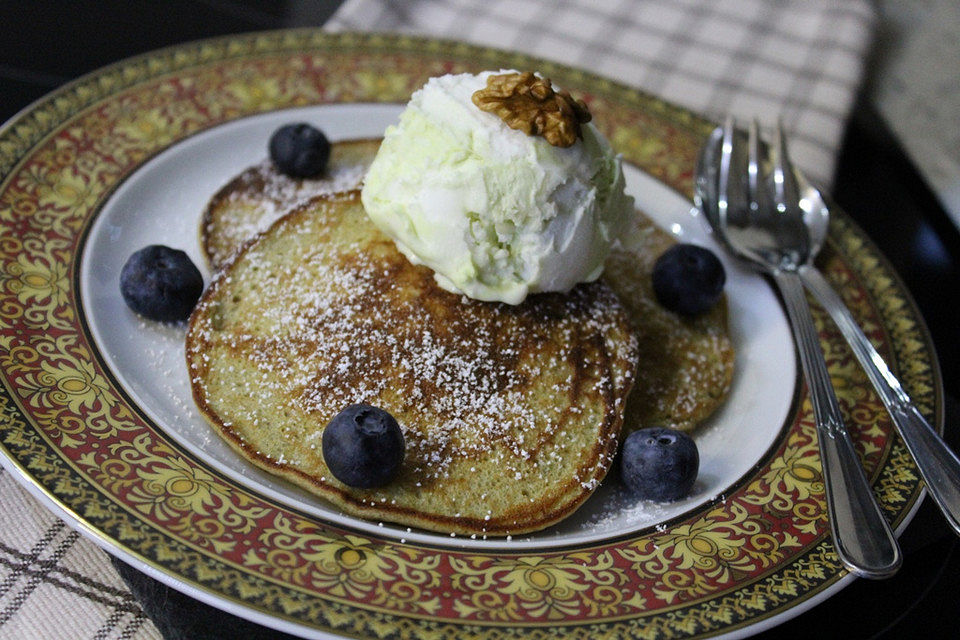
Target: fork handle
{"points": [[863, 539], [938, 465]]}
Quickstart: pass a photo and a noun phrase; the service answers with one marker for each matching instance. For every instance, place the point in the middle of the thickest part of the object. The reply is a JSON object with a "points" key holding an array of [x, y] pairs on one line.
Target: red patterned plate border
{"points": [[73, 434]]}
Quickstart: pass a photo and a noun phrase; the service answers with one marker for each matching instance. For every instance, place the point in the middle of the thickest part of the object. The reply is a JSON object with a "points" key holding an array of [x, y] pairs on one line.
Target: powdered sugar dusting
{"points": [[261, 195], [621, 508], [277, 193], [337, 324]]}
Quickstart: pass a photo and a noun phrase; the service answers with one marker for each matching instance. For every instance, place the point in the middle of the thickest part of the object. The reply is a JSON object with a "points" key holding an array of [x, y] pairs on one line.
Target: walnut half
{"points": [[530, 104]]}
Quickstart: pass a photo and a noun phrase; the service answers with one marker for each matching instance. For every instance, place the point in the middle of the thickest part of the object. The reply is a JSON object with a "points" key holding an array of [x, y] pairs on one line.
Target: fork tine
{"points": [[786, 189], [753, 166], [779, 199], [723, 180]]}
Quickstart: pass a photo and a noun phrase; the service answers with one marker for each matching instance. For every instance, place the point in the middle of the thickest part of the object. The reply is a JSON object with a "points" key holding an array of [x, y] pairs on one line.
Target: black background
{"points": [[45, 44]]}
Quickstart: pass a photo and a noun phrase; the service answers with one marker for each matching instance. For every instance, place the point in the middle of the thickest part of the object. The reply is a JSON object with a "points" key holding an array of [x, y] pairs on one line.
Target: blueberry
{"points": [[363, 446], [659, 464], [299, 150], [688, 279], [161, 283]]}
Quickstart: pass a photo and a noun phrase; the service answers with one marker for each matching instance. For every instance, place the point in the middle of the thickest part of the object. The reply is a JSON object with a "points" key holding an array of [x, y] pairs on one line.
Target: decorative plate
{"points": [[95, 418]]}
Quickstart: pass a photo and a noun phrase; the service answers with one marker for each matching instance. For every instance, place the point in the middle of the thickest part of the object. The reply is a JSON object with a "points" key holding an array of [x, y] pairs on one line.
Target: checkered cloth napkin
{"points": [[801, 60], [56, 585]]}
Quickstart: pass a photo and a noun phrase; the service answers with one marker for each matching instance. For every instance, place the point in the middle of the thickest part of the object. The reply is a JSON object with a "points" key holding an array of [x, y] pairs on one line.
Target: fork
{"points": [[756, 220], [939, 466]]}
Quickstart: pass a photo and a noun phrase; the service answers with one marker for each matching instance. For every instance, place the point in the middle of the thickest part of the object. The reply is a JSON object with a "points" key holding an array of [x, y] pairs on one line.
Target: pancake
{"points": [[686, 364], [510, 413], [253, 200]]}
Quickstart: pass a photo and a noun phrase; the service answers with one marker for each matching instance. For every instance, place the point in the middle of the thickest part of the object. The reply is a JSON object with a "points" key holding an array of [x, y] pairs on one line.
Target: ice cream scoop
{"points": [[495, 212]]}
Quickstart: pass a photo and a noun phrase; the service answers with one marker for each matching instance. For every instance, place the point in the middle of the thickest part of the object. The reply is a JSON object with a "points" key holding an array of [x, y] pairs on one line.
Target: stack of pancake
{"points": [[511, 414]]}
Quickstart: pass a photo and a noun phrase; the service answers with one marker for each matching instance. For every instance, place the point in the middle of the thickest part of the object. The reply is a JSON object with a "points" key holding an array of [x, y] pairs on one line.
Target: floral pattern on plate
{"points": [[72, 431]]}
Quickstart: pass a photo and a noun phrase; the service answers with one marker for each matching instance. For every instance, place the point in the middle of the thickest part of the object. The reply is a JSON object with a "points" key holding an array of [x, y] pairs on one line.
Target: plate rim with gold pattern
{"points": [[745, 561]]}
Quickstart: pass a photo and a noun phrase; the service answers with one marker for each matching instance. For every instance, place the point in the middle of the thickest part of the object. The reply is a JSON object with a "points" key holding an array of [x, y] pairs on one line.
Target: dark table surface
{"points": [[47, 43]]}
